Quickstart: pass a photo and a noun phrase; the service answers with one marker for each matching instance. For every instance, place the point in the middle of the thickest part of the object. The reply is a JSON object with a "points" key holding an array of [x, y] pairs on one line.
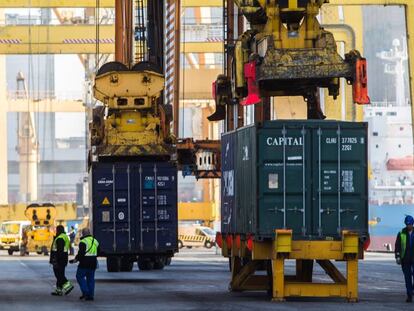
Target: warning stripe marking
{"points": [[10, 41], [214, 39], [192, 238], [88, 41], [170, 73]]}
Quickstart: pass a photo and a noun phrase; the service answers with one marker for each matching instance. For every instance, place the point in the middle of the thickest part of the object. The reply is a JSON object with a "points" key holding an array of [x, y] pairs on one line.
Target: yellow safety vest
{"points": [[91, 246], [65, 239]]}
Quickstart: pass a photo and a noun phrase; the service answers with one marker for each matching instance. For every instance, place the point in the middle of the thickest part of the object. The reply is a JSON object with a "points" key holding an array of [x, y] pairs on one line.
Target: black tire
{"points": [[39, 252], [145, 264], [159, 263], [113, 264], [127, 264], [208, 244], [10, 252], [180, 244], [189, 247], [23, 251], [146, 66], [168, 261], [45, 251], [112, 66]]}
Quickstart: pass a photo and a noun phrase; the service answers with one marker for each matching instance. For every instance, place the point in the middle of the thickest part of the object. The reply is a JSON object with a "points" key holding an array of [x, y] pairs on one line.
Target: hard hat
{"points": [[86, 231], [409, 220]]}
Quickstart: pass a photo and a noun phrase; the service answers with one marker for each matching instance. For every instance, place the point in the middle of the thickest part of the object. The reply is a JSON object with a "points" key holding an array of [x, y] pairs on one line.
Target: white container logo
{"points": [[287, 141]]}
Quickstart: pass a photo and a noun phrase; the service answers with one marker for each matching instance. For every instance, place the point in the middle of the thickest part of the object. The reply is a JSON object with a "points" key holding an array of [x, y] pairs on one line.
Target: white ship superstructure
{"points": [[391, 138]]}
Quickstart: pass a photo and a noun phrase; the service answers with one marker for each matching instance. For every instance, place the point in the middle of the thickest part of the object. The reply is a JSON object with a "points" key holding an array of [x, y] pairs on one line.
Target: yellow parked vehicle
{"points": [[195, 235], [11, 235], [39, 236]]}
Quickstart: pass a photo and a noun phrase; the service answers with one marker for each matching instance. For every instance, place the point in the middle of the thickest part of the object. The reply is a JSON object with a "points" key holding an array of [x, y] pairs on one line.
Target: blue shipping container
{"points": [[134, 207]]}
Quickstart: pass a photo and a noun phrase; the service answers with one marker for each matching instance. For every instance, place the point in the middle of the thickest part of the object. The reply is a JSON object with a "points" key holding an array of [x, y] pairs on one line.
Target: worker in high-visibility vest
{"points": [[59, 261], [404, 254], [88, 263]]}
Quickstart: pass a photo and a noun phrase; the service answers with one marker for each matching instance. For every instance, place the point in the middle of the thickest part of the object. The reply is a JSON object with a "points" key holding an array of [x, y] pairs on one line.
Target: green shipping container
{"points": [[308, 176]]}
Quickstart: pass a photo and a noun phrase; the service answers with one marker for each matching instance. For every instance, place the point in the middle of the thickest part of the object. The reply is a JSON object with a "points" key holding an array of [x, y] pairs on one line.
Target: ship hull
{"points": [[386, 221]]}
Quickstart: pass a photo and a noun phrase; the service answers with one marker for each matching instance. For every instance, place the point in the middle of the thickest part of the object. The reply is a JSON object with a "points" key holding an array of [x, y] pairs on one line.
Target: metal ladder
{"points": [[140, 33]]}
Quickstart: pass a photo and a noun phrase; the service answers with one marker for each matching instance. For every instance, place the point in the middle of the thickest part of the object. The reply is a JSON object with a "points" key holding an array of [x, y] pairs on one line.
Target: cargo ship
{"points": [[391, 194]]}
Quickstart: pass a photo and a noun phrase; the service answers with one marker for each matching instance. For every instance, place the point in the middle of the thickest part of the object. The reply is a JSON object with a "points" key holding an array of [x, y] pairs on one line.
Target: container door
{"points": [[340, 200], [112, 197], [246, 186], [156, 207], [284, 155], [228, 195]]}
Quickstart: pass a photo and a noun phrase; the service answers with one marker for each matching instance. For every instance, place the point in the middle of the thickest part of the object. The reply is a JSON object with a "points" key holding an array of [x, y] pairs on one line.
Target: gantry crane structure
{"points": [[286, 52], [81, 39]]}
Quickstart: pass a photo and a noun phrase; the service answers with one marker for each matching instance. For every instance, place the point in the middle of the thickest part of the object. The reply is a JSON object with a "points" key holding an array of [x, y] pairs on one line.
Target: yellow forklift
{"points": [[38, 237]]}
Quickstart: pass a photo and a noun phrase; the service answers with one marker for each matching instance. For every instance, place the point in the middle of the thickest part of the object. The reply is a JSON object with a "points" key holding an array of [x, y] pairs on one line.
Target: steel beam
{"points": [[73, 39], [59, 39], [91, 3], [54, 105]]}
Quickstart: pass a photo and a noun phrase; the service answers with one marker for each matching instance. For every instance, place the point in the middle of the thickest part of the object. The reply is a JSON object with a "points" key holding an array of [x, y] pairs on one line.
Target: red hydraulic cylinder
{"points": [[253, 96], [360, 84]]}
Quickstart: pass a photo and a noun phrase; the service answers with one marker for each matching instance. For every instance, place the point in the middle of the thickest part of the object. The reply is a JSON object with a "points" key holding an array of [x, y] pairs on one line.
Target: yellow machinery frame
{"points": [[283, 248], [274, 253]]}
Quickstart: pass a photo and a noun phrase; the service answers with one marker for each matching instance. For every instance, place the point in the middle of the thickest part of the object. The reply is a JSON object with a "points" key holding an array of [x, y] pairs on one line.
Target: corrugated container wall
{"points": [[284, 174], [135, 207]]}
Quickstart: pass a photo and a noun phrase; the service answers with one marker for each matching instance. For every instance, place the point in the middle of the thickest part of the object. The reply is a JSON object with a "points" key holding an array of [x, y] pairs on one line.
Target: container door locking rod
{"points": [[156, 206], [114, 205], [339, 179], [284, 176], [303, 132], [141, 222], [320, 182], [129, 207]]}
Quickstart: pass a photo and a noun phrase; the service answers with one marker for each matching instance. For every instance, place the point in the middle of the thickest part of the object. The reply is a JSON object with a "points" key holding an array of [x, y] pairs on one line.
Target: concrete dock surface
{"points": [[197, 279]]}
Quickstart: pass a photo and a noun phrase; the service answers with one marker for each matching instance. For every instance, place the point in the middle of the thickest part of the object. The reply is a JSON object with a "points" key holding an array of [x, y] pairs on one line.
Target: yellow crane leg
{"points": [[352, 280], [278, 288], [273, 254]]}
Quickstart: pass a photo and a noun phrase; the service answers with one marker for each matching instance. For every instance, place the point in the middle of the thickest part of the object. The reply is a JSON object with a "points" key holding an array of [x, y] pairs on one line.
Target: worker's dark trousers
{"points": [[86, 280], [60, 275], [408, 270]]}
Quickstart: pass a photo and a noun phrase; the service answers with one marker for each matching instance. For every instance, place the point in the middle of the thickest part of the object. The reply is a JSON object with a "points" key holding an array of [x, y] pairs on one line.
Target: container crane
{"points": [[132, 159], [286, 52]]}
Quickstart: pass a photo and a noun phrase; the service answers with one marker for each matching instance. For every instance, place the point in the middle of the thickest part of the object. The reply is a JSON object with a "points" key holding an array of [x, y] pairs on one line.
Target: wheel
{"points": [[127, 264], [159, 263], [168, 261], [189, 247], [180, 244], [112, 66], [45, 251], [113, 264], [208, 244], [145, 264], [39, 252], [10, 252]]}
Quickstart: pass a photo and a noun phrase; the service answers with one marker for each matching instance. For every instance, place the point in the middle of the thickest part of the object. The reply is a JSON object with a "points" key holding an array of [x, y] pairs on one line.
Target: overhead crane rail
{"points": [[91, 3], [74, 39]]}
